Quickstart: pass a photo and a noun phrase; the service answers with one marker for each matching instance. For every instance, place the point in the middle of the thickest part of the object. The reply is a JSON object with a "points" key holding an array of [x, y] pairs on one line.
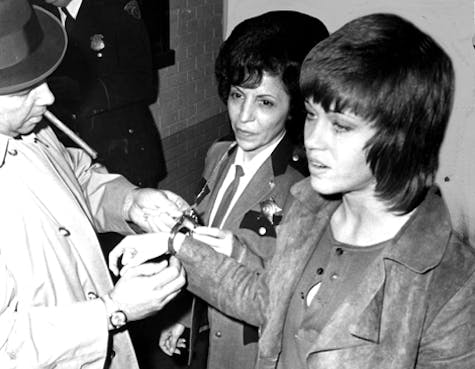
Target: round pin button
{"points": [[262, 231]]}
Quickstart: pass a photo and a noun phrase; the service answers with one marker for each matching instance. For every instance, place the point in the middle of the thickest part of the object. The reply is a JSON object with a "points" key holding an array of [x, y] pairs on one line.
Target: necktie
{"points": [[69, 21], [227, 197]]}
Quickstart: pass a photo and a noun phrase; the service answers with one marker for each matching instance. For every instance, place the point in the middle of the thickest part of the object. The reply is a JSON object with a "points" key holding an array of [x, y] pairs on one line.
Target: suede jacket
{"points": [[416, 308]]}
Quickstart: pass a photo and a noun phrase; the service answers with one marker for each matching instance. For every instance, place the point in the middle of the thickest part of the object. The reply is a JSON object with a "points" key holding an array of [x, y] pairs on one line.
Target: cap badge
{"points": [[97, 42]]}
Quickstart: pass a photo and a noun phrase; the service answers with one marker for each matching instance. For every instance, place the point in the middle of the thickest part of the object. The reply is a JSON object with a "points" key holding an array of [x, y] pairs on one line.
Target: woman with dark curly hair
{"points": [[257, 72]]}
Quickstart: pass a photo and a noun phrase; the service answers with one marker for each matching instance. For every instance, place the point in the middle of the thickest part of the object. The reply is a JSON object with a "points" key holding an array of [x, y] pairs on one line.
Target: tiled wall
{"points": [[189, 113]]}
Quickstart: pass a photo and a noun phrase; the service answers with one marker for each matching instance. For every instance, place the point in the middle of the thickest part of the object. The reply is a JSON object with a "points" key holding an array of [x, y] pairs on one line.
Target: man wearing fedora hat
{"points": [[58, 307]]}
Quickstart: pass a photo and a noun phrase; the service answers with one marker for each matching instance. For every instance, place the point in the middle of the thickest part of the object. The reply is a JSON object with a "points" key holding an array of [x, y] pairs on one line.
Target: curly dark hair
{"points": [[276, 43]]}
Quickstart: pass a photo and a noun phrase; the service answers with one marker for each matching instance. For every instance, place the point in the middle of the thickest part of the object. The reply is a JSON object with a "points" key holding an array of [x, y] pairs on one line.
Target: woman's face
{"points": [[258, 115], [335, 143]]}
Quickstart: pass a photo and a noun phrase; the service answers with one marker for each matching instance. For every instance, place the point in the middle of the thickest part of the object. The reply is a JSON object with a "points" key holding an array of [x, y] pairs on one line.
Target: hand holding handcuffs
{"points": [[186, 224]]}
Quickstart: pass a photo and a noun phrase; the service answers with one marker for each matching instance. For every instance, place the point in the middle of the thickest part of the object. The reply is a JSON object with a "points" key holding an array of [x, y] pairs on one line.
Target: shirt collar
{"points": [[73, 7], [255, 163]]}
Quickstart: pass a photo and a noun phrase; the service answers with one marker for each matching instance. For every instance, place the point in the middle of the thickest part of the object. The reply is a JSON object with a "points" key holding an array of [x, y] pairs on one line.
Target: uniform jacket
{"points": [[232, 343], [51, 266], [416, 308], [104, 85]]}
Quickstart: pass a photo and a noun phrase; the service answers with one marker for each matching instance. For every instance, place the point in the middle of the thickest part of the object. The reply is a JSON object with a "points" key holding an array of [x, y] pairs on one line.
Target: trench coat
{"points": [[51, 266], [233, 344], [415, 309]]}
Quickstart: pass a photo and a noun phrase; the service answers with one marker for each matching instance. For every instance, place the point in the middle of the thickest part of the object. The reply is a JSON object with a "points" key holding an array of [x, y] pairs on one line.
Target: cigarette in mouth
{"points": [[68, 132]]}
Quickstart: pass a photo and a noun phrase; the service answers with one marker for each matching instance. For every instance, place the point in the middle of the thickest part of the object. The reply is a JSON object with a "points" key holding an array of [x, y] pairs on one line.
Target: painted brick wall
{"points": [[189, 113], [187, 90]]}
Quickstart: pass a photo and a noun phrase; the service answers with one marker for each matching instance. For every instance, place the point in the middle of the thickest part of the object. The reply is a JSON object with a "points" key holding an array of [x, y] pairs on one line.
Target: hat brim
{"points": [[42, 61]]}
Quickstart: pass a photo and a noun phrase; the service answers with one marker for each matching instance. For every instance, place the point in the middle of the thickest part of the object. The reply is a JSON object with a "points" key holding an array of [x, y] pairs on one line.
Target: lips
{"points": [[317, 164]]}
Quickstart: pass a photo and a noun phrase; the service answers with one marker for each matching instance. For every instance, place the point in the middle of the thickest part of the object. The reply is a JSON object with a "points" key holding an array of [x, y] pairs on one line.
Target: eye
{"points": [[339, 127], [266, 103], [310, 115], [234, 95]]}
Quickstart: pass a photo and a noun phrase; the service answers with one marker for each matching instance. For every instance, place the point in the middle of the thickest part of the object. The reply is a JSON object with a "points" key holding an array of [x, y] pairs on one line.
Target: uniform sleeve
{"points": [[229, 286], [105, 192], [44, 337]]}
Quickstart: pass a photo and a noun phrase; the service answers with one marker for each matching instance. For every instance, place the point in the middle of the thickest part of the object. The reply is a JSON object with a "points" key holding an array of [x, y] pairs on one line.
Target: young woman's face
{"points": [[335, 151], [258, 114], [22, 111]]}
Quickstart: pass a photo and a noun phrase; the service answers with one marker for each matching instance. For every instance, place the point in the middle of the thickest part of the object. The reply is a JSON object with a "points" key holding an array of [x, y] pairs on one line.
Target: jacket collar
{"points": [[358, 319], [418, 251]]}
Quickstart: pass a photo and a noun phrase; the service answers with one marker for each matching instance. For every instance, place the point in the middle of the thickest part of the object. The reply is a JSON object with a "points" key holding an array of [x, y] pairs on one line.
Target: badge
{"points": [[97, 42], [132, 7], [269, 209]]}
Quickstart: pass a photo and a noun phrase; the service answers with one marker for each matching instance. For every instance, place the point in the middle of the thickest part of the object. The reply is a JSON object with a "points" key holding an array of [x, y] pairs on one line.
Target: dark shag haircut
{"points": [[276, 43], [385, 70]]}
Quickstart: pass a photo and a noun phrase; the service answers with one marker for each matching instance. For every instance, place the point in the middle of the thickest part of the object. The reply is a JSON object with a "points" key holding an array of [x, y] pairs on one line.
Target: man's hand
{"points": [[154, 210], [136, 249], [170, 341], [147, 288], [220, 240]]}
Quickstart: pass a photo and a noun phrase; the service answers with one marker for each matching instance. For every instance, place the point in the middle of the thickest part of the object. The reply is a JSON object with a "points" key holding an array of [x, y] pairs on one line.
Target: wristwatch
{"points": [[117, 317]]}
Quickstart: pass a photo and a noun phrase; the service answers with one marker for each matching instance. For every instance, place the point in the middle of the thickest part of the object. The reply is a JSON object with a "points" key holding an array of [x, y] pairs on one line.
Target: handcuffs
{"points": [[186, 224]]}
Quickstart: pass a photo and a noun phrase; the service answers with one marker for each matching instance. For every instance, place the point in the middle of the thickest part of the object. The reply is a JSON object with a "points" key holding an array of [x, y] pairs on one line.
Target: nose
{"points": [[43, 95], [316, 135], [246, 113]]}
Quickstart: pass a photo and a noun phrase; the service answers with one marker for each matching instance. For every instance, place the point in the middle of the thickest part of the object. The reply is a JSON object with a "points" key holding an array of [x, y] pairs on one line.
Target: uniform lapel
{"points": [[215, 181]]}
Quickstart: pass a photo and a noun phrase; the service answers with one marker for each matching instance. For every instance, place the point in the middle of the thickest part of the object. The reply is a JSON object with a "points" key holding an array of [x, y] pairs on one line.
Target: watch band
{"points": [[116, 317]]}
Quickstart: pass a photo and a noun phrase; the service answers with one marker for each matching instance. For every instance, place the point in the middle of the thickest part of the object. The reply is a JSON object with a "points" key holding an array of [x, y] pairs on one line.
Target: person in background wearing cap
{"points": [[105, 84], [367, 272], [58, 307]]}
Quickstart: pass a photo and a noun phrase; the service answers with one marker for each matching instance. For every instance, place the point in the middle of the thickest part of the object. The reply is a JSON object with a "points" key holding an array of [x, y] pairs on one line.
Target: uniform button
{"points": [[99, 55], [295, 157], [131, 130], [320, 271], [13, 152], [91, 295], [262, 231], [334, 277], [447, 179], [63, 232], [218, 334], [339, 251], [302, 295]]}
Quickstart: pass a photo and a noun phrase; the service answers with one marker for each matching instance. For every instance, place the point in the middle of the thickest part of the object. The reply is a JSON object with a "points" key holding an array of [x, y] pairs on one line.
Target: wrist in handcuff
{"points": [[183, 227]]}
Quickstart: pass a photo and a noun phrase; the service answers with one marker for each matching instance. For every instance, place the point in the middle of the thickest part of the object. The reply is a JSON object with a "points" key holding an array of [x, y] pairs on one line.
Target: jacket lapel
{"points": [[357, 320], [263, 182], [258, 188]]}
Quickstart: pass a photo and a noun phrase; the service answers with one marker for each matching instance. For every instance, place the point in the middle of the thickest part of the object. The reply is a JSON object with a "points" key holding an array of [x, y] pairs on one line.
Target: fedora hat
{"points": [[32, 44]]}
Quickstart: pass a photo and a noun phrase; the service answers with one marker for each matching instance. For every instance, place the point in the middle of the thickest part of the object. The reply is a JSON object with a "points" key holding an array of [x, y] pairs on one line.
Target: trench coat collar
{"points": [[358, 319]]}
